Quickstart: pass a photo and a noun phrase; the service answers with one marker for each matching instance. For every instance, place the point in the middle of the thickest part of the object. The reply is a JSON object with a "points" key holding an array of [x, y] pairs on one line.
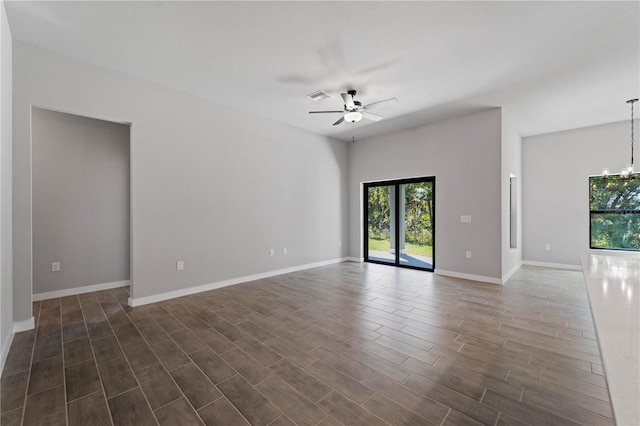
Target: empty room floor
{"points": [[350, 344]]}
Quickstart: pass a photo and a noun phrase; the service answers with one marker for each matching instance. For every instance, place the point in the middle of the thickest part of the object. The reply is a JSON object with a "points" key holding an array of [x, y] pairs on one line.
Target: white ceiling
{"points": [[551, 65]]}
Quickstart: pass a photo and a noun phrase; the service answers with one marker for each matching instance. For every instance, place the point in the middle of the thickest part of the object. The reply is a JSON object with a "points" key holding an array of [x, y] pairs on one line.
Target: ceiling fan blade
{"points": [[381, 103], [324, 112], [339, 121], [348, 100], [370, 116]]}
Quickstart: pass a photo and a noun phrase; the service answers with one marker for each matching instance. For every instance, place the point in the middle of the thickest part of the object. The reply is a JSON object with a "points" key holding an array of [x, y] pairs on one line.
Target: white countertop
{"points": [[613, 285]]}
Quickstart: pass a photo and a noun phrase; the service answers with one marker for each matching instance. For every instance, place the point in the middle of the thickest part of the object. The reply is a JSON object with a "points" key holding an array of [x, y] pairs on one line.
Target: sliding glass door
{"points": [[399, 220]]}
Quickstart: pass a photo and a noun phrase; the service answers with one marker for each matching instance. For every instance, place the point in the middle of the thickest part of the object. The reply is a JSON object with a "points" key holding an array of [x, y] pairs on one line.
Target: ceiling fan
{"points": [[354, 111]]}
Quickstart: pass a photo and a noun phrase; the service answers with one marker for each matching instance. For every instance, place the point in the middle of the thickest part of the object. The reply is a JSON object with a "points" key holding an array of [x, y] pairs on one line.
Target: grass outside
{"points": [[412, 249]]}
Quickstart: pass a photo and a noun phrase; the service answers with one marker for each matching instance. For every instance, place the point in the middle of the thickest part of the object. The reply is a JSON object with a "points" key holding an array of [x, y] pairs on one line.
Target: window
{"points": [[614, 208]]}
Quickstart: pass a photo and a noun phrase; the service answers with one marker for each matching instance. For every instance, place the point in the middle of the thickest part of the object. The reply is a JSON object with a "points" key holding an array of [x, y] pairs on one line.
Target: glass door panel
{"points": [[380, 223], [416, 225]]}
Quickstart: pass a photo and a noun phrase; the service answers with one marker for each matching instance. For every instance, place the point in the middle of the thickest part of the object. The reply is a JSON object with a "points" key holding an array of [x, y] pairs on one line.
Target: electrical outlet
{"points": [[180, 265], [468, 255], [55, 266], [547, 247], [284, 250], [465, 218], [272, 252]]}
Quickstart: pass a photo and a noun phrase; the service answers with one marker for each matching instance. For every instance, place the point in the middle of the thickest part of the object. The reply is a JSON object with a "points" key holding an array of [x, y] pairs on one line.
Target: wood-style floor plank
{"points": [[45, 408], [348, 412], [297, 408], [131, 408], [431, 410], [216, 369], [82, 379], [302, 381], [249, 401], [178, 412], [159, 388], [170, 355], [46, 374], [222, 412], [198, 389], [394, 413], [116, 377], [90, 410], [12, 391], [247, 366]]}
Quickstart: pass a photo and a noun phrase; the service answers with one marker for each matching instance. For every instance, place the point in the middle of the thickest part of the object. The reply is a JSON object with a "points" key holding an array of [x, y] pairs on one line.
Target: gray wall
{"points": [[80, 200], [555, 187], [6, 289], [511, 165], [464, 154], [210, 185]]}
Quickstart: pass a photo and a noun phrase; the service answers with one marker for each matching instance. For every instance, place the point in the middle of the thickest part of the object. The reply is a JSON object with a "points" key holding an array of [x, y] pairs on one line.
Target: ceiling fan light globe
{"points": [[353, 117]]}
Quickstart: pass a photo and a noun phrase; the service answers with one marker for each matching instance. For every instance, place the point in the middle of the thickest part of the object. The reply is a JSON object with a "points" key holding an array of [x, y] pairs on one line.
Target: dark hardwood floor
{"points": [[346, 344]]}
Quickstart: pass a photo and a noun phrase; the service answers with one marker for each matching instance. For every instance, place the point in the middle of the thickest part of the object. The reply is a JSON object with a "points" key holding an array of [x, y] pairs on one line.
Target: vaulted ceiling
{"points": [[552, 65]]}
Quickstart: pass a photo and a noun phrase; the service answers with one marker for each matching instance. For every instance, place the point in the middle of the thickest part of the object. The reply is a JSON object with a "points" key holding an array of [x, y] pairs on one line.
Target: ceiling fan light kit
{"points": [[353, 111], [353, 117]]}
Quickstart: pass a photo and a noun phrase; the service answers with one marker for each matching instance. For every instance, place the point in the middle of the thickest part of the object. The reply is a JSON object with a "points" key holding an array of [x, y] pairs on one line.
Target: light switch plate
{"points": [[55, 266], [465, 218], [180, 265]]}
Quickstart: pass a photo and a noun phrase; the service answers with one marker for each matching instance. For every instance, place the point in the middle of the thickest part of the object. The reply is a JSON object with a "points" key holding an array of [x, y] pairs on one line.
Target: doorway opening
{"points": [[81, 204], [399, 223]]}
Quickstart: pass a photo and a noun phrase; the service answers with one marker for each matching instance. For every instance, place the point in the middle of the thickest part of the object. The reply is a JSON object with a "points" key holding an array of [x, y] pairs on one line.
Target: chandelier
{"points": [[627, 171]]}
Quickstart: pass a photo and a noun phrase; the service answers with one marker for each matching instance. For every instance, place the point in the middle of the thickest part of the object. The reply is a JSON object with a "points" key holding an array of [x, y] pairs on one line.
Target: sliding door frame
{"points": [[396, 187]]}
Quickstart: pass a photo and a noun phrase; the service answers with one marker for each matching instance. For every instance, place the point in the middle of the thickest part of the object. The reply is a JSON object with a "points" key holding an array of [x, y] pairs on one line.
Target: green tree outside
{"points": [[614, 203], [418, 218]]}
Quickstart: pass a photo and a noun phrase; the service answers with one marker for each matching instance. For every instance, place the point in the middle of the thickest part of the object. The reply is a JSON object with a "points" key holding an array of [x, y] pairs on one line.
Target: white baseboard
{"points": [[354, 259], [552, 265], [17, 327], [25, 325], [79, 290], [513, 270], [139, 301], [6, 345], [471, 277]]}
